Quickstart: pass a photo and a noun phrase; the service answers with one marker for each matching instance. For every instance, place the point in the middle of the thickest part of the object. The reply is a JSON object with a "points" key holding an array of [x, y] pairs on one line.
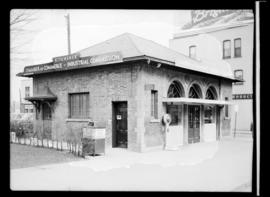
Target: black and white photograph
{"points": [[133, 100]]}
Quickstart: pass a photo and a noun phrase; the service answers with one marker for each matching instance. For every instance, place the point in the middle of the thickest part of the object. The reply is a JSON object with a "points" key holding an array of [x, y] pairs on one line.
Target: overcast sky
{"points": [[88, 27]]}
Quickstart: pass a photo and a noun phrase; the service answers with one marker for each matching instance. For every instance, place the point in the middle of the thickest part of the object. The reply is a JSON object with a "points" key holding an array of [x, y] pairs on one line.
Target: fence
{"points": [[72, 147]]}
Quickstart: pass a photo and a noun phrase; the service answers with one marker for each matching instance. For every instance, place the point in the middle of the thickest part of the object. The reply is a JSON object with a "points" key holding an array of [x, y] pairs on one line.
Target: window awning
{"points": [[195, 101]]}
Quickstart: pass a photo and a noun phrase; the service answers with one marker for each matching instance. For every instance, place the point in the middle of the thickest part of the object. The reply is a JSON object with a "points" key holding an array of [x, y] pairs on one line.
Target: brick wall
{"points": [[131, 82], [159, 79], [105, 84]]}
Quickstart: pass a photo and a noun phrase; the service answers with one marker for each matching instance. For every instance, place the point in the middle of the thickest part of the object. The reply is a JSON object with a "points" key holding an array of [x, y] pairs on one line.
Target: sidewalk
{"points": [[213, 166]]}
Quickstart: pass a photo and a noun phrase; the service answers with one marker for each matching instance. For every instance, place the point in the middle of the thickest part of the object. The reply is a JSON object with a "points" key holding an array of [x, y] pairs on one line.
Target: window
{"points": [[237, 47], [154, 104], [211, 93], [226, 109], [175, 90], [27, 91], [79, 105], [195, 91], [192, 51], [176, 113], [238, 74], [226, 49], [209, 114]]}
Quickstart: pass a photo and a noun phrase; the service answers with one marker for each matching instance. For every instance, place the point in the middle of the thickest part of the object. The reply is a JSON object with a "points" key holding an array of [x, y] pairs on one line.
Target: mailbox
{"points": [[93, 141]]}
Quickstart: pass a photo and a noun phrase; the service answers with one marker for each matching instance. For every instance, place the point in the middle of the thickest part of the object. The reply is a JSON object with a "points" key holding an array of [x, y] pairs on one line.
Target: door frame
{"points": [[114, 133], [200, 119], [43, 120]]}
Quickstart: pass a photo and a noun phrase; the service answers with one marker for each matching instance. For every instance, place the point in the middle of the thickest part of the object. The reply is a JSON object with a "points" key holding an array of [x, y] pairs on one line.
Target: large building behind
{"points": [[226, 35], [26, 90]]}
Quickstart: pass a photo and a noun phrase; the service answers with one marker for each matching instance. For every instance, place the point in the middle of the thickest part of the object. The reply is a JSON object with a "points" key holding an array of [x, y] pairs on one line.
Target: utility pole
{"points": [[68, 33]]}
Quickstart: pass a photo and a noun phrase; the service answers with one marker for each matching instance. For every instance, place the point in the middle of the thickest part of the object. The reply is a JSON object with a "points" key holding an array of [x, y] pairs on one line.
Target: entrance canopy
{"points": [[47, 97], [195, 101], [41, 98]]}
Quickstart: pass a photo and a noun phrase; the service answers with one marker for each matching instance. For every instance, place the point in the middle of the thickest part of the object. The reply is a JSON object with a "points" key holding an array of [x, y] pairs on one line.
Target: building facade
{"points": [[26, 90], [126, 85], [227, 38]]}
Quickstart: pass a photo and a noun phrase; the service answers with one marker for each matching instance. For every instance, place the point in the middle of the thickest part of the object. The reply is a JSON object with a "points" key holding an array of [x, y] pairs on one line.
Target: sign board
{"points": [[94, 133], [74, 62], [87, 133], [242, 96], [99, 133], [118, 117], [28, 106], [204, 15], [66, 58]]}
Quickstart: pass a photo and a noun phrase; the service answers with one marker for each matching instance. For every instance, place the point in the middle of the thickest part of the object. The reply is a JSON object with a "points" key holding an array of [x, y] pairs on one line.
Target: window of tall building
{"points": [[192, 51], [226, 49], [237, 47], [154, 104], [27, 91], [79, 105], [238, 74]]}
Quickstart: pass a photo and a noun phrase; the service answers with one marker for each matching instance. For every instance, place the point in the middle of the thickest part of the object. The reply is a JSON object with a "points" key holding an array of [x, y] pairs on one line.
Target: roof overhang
{"points": [[195, 101]]}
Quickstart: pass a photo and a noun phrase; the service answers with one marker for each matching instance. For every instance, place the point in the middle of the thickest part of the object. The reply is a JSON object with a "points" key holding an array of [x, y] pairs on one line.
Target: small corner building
{"points": [[125, 85]]}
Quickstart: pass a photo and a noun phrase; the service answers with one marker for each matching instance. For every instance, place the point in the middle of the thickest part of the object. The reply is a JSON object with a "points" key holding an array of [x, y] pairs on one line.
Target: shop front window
{"points": [[209, 113], [176, 114]]}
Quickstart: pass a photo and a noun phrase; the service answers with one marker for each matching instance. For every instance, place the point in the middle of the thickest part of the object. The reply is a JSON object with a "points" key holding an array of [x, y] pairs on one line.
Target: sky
{"points": [[48, 33]]}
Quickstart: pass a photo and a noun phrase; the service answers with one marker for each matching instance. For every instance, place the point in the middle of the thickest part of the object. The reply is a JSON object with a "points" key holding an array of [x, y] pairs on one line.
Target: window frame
{"points": [[230, 48], [154, 104], [189, 54], [70, 110], [240, 48], [238, 83]]}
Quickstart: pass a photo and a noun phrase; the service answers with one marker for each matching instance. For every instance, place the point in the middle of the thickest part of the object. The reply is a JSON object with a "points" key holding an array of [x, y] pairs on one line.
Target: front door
{"points": [[193, 123], [47, 121], [120, 119]]}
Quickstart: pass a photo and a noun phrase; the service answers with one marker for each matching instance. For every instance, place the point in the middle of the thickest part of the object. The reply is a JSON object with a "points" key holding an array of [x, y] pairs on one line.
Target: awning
{"points": [[47, 97], [195, 101], [41, 98]]}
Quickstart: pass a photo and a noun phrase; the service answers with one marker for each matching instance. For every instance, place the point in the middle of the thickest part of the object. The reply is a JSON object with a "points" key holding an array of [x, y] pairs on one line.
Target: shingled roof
{"points": [[131, 46]]}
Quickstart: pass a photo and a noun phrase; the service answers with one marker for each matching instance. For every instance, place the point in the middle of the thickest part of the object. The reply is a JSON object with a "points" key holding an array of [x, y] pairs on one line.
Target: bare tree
{"points": [[20, 28]]}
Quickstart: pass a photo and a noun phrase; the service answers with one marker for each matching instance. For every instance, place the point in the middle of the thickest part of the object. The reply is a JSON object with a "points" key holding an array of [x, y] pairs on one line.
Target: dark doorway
{"points": [[193, 123], [119, 118], [47, 121]]}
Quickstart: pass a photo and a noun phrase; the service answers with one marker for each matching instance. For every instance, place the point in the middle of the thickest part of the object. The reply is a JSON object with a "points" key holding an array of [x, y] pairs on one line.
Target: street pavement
{"points": [[211, 166]]}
